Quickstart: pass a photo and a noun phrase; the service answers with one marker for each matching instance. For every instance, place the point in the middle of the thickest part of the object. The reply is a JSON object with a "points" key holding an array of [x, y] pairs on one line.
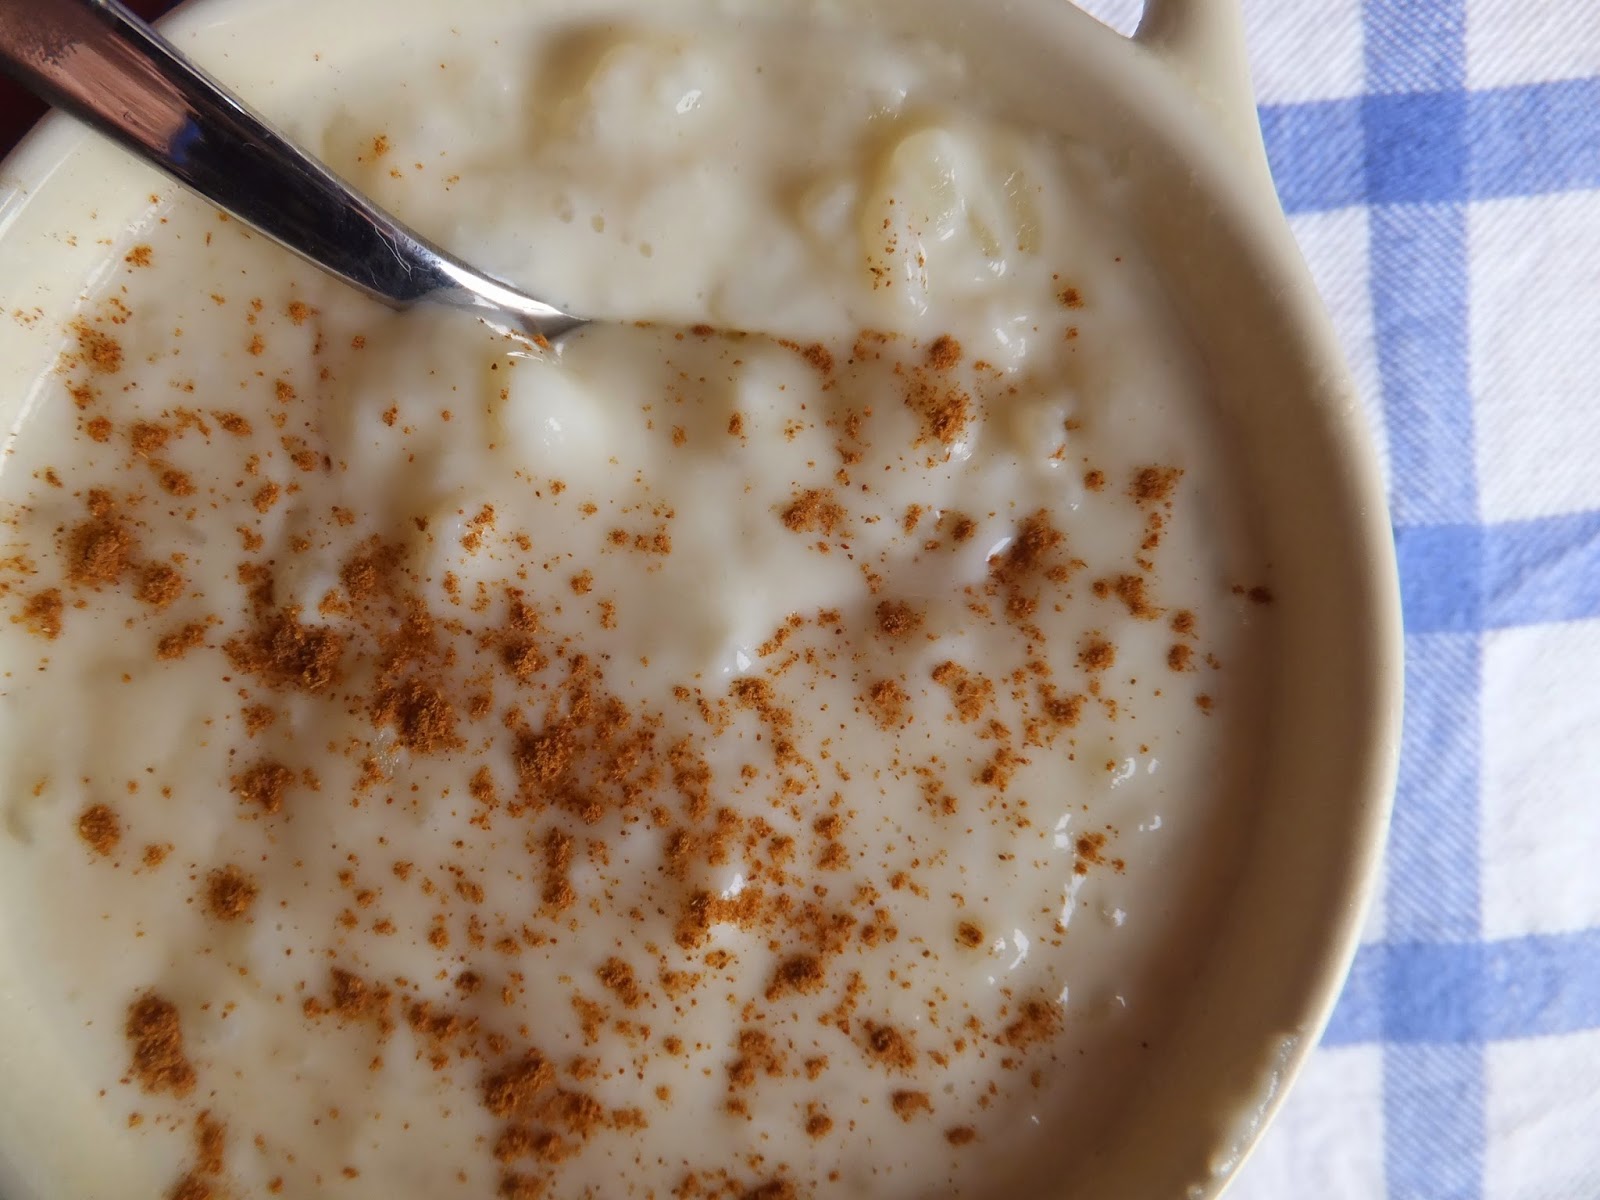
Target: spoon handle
{"points": [[101, 63]]}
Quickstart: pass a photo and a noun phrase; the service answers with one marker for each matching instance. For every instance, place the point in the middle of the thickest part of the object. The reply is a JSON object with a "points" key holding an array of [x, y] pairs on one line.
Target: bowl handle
{"points": [[1202, 43]]}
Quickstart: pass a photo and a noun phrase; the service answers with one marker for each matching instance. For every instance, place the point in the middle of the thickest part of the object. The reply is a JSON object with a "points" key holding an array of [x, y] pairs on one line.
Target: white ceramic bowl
{"points": [[1173, 107]]}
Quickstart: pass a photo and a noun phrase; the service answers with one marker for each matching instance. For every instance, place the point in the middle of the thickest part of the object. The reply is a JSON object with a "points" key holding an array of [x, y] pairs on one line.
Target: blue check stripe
{"points": [[1419, 288], [1415, 153], [1540, 986], [1465, 578], [1415, 173], [1411, 47], [1433, 842], [1519, 141]]}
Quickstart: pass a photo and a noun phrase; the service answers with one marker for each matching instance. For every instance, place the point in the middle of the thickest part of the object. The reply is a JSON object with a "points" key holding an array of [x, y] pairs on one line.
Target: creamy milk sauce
{"points": [[696, 764]]}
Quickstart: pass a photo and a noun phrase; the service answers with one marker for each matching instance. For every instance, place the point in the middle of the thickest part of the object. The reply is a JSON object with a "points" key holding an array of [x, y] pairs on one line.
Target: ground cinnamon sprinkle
{"points": [[969, 935], [945, 408], [148, 438], [180, 641], [961, 1135], [888, 700], [1130, 589], [478, 527], [813, 511], [367, 572], [99, 550], [818, 1123], [558, 893], [353, 1000], [1179, 656], [889, 1047], [591, 1017], [257, 717], [962, 528], [801, 973], [159, 585], [156, 1036], [264, 785], [971, 694], [513, 1090], [1036, 538], [192, 1186], [175, 482], [99, 826], [483, 788], [283, 652], [229, 893], [1029, 560], [232, 423], [1061, 711], [1038, 1020], [907, 1105], [758, 1055], [102, 352], [41, 615], [1097, 654], [210, 1145], [944, 353], [617, 977], [819, 357], [897, 619], [1001, 768], [422, 715], [1153, 485]]}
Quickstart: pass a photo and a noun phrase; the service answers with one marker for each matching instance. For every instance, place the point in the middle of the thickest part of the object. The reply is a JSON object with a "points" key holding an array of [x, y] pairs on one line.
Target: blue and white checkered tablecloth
{"points": [[1440, 163]]}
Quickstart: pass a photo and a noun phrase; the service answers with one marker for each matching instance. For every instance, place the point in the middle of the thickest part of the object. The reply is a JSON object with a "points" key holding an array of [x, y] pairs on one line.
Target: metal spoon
{"points": [[101, 63]]}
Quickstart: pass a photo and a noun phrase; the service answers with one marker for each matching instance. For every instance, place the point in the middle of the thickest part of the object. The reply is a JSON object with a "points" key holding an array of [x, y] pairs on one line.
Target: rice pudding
{"points": [[791, 741]]}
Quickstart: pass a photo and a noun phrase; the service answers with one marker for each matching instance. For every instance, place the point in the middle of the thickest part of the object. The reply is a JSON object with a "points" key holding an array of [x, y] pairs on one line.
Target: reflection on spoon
{"points": [[99, 62]]}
